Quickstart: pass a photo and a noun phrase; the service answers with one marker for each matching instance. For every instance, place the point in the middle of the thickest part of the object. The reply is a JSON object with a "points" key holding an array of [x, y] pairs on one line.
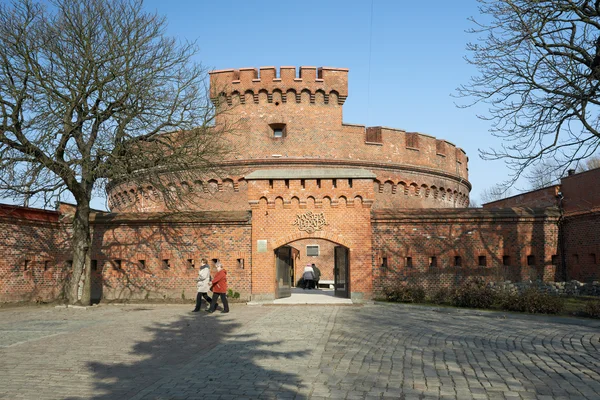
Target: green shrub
{"points": [[402, 293], [440, 296], [592, 308], [232, 294], [531, 301], [473, 293]]}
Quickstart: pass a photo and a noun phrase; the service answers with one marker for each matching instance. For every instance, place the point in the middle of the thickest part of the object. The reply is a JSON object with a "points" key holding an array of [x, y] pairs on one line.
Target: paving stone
{"points": [[375, 351]]}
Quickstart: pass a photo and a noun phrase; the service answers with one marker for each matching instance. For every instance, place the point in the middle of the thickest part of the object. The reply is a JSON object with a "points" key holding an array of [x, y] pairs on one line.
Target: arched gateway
{"points": [[310, 205]]}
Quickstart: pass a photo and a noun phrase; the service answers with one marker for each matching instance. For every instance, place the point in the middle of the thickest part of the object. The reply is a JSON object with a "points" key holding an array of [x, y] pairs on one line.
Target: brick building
{"points": [[368, 205]]}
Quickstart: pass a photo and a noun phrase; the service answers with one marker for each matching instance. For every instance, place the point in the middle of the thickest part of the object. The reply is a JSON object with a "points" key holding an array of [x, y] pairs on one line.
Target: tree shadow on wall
{"points": [[36, 260], [457, 247], [159, 254], [196, 357]]}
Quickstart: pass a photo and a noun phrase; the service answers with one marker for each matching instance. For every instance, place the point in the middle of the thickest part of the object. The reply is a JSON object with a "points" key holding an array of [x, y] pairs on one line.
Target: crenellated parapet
{"points": [[249, 83]]}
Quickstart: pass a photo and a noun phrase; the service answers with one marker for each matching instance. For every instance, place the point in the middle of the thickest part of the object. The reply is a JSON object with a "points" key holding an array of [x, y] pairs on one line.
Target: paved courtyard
{"points": [[374, 351]]}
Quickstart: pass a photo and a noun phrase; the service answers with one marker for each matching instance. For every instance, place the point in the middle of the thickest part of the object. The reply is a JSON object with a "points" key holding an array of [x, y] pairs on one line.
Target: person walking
{"points": [[203, 286], [219, 289], [317, 273], [309, 277]]}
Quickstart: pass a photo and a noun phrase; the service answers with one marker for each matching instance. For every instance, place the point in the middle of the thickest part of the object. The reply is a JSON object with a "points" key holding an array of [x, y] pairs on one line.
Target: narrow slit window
{"points": [[530, 260], [457, 261], [408, 262], [94, 265], [165, 263], [482, 261], [433, 262], [142, 264], [384, 262], [190, 263], [505, 260]]}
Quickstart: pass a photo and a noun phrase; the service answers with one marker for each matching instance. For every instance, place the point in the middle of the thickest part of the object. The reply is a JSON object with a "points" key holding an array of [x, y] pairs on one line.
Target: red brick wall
{"points": [[35, 249], [468, 234], [158, 238], [581, 202]]}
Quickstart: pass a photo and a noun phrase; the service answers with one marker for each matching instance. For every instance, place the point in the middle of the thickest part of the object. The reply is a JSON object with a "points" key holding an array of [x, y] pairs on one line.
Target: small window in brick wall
{"points": [[94, 265], [165, 264], [240, 263], [482, 261], [433, 262], [384, 262], [506, 260], [46, 265], [118, 265], [530, 260], [312, 251], [554, 259], [190, 263], [408, 262], [457, 261], [26, 265], [142, 264], [278, 131]]}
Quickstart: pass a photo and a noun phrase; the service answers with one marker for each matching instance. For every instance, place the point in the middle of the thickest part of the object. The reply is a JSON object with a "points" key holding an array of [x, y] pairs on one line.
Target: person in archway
{"points": [[219, 289], [317, 273], [309, 277], [203, 285]]}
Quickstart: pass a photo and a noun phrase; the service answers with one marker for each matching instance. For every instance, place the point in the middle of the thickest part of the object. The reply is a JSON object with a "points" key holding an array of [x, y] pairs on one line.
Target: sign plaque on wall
{"points": [[261, 246]]}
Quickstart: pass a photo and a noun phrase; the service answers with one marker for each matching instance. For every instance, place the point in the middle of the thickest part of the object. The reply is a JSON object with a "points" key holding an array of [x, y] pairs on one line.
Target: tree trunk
{"points": [[79, 290]]}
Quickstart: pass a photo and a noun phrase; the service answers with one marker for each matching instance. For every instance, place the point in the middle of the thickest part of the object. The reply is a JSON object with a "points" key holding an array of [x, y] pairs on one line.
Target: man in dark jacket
{"points": [[317, 275]]}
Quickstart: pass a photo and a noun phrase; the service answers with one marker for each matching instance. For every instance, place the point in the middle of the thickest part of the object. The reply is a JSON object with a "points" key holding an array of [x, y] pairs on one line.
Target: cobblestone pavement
{"points": [[375, 351]]}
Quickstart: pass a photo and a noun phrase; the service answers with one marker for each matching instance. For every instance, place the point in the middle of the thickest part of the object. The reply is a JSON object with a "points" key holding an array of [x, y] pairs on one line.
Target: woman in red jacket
{"points": [[219, 289]]}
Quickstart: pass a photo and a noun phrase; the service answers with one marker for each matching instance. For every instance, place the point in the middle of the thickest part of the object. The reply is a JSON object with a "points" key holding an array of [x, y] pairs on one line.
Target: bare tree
{"points": [[539, 72], [497, 192], [89, 91], [544, 174], [590, 163]]}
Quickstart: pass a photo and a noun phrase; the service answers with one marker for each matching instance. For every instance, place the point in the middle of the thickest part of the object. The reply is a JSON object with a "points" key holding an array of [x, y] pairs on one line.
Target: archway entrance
{"points": [[332, 260], [284, 271], [341, 272]]}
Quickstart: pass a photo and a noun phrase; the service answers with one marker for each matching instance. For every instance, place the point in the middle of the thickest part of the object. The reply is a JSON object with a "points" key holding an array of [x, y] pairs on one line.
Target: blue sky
{"points": [[406, 58]]}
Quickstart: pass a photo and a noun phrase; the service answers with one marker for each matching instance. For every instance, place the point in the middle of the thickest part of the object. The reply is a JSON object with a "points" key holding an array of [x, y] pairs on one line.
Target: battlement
{"points": [[251, 81]]}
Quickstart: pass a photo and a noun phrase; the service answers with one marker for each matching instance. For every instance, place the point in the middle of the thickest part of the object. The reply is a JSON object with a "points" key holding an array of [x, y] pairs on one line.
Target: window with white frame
{"points": [[312, 250]]}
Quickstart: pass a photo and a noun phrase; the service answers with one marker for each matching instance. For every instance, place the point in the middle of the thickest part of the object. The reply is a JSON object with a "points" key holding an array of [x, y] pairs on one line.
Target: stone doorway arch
{"points": [[330, 258]]}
